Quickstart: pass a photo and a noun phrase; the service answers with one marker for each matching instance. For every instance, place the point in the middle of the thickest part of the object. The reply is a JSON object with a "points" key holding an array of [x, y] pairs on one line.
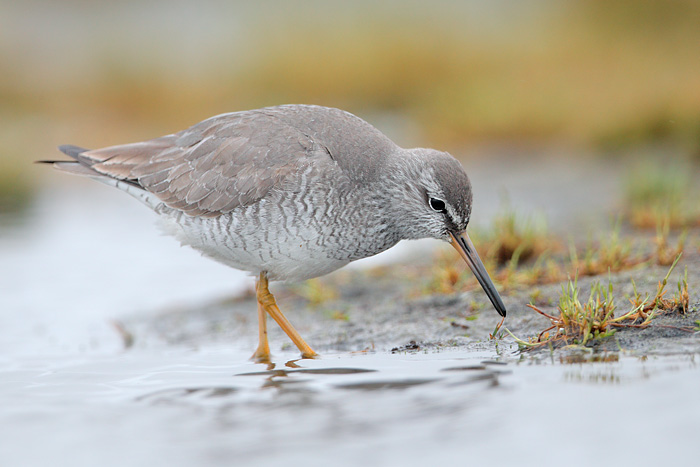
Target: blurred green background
{"points": [[607, 76]]}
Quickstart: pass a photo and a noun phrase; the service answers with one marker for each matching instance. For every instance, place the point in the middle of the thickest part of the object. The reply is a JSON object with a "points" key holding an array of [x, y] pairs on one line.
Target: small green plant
{"points": [[658, 194], [495, 335], [511, 239], [579, 322], [545, 270], [647, 308], [535, 295], [665, 253], [683, 298], [610, 253]]}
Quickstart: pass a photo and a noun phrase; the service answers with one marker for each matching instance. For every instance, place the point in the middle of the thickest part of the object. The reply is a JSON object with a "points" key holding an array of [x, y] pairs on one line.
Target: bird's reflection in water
{"points": [[312, 371], [293, 377], [388, 384], [280, 378], [169, 395]]}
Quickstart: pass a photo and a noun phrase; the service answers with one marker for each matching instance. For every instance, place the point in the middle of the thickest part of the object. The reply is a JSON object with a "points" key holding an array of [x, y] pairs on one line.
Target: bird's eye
{"points": [[437, 204]]}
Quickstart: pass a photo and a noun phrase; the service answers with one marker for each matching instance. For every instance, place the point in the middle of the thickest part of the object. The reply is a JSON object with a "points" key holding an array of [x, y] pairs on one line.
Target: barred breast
{"points": [[292, 233]]}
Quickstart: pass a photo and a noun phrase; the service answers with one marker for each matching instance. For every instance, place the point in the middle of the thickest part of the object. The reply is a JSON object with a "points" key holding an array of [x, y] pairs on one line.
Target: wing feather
{"points": [[213, 167], [236, 159]]}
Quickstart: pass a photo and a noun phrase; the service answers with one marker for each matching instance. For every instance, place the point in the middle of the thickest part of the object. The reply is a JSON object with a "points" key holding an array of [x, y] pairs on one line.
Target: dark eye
{"points": [[437, 204]]}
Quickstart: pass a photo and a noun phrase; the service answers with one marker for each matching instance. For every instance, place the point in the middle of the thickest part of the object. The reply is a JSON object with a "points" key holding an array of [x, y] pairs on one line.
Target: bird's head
{"points": [[432, 198]]}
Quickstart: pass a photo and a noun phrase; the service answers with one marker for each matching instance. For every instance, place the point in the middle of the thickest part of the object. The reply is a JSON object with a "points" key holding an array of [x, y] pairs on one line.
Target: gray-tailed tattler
{"points": [[290, 193]]}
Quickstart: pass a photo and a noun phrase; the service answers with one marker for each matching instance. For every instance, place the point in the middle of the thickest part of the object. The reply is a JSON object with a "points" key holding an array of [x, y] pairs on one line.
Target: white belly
{"points": [[287, 238], [293, 255]]}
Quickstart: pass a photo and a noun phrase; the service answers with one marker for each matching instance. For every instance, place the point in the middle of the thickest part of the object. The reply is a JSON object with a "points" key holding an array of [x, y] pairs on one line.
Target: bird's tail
{"points": [[81, 165], [78, 166]]}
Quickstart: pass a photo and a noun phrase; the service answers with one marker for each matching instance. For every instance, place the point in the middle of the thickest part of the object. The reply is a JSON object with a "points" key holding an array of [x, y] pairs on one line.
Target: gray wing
{"points": [[215, 166]]}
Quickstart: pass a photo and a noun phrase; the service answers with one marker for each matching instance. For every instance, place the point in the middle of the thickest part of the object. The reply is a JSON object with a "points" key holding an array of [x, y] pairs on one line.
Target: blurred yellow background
{"points": [[604, 75]]}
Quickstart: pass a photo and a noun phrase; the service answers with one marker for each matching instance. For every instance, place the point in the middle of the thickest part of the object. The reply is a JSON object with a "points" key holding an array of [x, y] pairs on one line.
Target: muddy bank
{"points": [[386, 309]]}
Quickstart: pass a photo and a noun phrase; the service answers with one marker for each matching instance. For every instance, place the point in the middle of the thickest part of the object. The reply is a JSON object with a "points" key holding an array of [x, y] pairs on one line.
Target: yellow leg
{"points": [[267, 302], [262, 353]]}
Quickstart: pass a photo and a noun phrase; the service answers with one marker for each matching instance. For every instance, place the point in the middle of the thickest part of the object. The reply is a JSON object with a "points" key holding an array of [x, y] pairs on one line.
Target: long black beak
{"points": [[464, 246]]}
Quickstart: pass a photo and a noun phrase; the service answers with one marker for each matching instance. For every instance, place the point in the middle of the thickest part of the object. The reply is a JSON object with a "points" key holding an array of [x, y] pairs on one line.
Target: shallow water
{"points": [[71, 395], [213, 407]]}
